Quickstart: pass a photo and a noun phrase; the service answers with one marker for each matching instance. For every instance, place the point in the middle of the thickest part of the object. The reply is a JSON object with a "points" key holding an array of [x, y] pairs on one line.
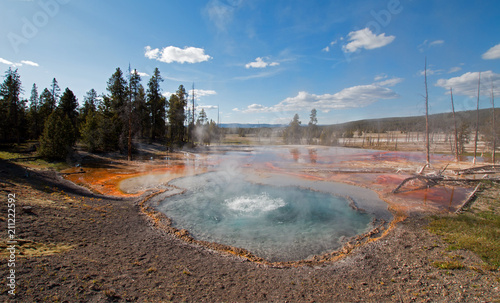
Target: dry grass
{"points": [[27, 248]]}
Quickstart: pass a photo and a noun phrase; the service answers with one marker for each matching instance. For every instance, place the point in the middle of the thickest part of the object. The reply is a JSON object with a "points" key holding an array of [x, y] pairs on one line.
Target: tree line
{"points": [[312, 133], [112, 121]]}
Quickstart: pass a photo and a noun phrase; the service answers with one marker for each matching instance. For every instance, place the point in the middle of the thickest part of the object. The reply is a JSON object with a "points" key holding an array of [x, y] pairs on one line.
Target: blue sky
{"points": [[263, 61]]}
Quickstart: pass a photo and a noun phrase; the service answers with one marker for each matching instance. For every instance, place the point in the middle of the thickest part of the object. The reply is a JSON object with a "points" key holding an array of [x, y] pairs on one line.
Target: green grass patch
{"points": [[12, 153], [477, 230]]}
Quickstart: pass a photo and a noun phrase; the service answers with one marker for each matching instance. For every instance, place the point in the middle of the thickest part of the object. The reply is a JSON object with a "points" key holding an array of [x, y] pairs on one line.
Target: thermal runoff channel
{"points": [[278, 223]]}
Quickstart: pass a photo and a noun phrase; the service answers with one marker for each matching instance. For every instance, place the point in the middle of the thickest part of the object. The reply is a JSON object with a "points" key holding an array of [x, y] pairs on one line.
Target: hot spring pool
{"points": [[278, 223]]}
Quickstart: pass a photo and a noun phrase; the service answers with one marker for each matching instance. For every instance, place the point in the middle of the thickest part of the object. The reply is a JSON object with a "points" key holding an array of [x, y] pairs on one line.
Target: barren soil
{"points": [[79, 246]]}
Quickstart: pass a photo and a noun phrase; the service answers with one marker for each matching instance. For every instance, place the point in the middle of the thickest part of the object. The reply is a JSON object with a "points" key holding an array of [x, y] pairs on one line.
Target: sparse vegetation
{"points": [[17, 153], [477, 230]]}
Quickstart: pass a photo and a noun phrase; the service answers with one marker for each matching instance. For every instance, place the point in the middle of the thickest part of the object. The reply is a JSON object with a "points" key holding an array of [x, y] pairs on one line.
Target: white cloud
{"points": [[167, 94], [256, 108], [17, 64], [200, 93], [206, 107], [431, 72], [426, 45], [221, 14], [27, 62], [151, 53], [437, 42], [352, 97], [466, 84], [141, 74], [2, 60], [171, 54], [389, 82], [364, 38], [454, 69], [492, 53], [327, 48], [260, 63]]}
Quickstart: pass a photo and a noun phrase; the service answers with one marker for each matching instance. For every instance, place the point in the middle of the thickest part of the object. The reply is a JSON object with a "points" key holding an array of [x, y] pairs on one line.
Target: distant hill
{"points": [[437, 122], [443, 121], [243, 125]]}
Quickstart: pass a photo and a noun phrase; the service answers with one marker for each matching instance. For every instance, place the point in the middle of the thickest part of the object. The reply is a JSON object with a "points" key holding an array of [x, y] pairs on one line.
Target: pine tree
{"points": [[34, 118], [89, 105], [133, 90], [90, 132], [142, 114], [141, 125], [12, 108], [156, 104], [177, 116], [117, 87], [58, 137], [55, 91], [292, 134], [312, 128], [97, 130], [202, 118], [69, 106], [47, 105]]}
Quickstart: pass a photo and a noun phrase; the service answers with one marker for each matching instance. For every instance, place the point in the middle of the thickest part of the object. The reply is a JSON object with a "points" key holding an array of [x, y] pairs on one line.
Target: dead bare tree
{"points": [[129, 113], [427, 143], [477, 120], [455, 123], [488, 172], [493, 125]]}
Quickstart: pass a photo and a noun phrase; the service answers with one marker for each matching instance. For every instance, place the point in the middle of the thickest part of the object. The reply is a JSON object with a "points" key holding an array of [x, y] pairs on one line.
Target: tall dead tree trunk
{"points": [[129, 113], [455, 124], [494, 131], [427, 143], [477, 120]]}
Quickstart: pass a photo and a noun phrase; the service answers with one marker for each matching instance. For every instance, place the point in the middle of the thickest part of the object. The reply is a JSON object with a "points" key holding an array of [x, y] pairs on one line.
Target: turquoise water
{"points": [[276, 223]]}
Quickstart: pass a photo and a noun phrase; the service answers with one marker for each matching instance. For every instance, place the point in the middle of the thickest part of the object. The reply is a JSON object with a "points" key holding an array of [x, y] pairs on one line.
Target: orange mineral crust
{"points": [[107, 181]]}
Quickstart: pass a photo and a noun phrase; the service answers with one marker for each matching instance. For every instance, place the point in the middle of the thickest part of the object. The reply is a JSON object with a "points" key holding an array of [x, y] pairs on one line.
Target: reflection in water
{"points": [[439, 197], [313, 155], [451, 198], [295, 154]]}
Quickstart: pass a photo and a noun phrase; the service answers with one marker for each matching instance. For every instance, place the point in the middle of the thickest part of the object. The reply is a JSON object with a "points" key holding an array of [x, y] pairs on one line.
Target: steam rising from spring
{"points": [[254, 203]]}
